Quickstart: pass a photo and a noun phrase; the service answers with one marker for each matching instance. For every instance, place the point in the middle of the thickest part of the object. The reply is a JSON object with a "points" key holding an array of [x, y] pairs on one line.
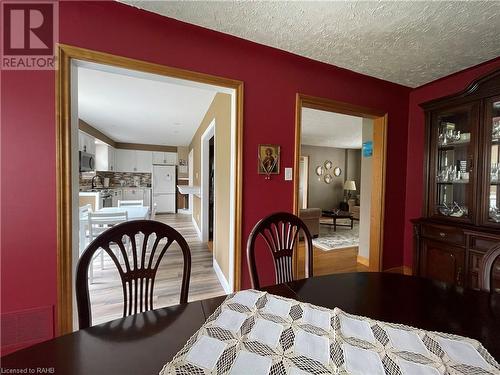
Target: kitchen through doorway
{"points": [[139, 140]]}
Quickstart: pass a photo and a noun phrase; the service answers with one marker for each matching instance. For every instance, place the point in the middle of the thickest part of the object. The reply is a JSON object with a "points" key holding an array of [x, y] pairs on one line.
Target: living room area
{"points": [[334, 194]]}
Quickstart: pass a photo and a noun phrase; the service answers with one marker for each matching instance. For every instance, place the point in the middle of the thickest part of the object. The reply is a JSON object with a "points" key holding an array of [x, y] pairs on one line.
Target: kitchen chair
{"points": [[279, 231], [98, 222], [489, 270], [83, 217], [138, 273], [131, 203]]}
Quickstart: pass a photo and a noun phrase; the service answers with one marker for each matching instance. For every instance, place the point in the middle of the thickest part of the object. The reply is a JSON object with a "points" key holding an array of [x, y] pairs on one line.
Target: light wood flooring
{"points": [[333, 261], [106, 291]]}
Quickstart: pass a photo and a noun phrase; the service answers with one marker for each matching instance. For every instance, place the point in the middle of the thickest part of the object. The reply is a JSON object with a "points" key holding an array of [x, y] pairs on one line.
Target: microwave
{"points": [[86, 162]]}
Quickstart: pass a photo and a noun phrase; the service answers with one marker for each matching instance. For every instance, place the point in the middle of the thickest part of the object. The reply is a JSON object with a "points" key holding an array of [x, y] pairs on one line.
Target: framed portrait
{"points": [[269, 159]]}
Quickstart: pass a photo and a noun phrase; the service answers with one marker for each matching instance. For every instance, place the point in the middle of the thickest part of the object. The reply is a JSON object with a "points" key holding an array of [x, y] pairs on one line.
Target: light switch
{"points": [[288, 174]]}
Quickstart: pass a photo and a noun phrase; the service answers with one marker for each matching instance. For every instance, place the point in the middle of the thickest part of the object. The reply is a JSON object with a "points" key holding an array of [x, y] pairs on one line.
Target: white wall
{"points": [[365, 194]]}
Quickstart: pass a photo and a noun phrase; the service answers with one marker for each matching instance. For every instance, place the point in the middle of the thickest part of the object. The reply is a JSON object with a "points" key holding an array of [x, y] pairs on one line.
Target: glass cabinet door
{"points": [[491, 169], [452, 182]]}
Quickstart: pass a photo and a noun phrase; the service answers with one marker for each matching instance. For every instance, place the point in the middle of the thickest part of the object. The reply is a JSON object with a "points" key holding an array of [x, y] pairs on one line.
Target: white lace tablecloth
{"points": [[255, 332]]}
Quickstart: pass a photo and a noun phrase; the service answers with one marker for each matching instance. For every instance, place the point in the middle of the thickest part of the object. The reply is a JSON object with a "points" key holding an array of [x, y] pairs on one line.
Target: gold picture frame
{"points": [[269, 159]]}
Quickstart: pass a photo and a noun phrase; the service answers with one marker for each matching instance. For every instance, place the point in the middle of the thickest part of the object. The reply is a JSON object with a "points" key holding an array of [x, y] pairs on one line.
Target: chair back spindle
{"points": [[280, 232]]}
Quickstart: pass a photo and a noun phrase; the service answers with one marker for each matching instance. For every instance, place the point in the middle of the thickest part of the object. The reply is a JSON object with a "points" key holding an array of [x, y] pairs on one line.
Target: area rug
{"points": [[344, 237]]}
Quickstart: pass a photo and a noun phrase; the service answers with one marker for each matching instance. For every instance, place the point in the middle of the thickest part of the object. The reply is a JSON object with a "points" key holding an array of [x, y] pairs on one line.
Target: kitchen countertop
{"points": [[97, 189]]}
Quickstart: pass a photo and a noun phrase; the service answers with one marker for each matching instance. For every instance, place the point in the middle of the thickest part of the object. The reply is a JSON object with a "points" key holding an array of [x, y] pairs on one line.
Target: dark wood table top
{"points": [[143, 343]]}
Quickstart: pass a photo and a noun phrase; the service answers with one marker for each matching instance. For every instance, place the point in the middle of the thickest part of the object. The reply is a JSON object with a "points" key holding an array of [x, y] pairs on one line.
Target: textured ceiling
{"points": [[407, 42], [329, 129]]}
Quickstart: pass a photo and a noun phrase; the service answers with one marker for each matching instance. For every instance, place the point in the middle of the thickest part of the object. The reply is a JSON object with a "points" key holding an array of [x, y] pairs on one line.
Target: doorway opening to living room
{"points": [[339, 185]]}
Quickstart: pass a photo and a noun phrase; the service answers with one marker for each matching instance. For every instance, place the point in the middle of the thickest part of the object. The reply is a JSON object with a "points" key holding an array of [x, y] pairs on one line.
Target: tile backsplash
{"points": [[115, 179]]}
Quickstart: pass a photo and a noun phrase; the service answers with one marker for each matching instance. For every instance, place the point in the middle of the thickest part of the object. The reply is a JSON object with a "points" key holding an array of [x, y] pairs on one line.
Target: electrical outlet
{"points": [[288, 174]]}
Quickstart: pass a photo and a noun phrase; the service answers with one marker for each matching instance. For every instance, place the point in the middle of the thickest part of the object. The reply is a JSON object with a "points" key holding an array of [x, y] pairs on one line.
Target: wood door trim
{"points": [[380, 150], [65, 53]]}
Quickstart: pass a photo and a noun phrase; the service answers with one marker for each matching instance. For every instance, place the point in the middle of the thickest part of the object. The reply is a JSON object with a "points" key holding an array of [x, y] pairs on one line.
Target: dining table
{"points": [[133, 212], [143, 343]]}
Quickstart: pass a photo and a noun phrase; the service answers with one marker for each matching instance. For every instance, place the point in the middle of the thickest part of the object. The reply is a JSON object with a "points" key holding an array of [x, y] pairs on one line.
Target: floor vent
{"points": [[26, 327]]}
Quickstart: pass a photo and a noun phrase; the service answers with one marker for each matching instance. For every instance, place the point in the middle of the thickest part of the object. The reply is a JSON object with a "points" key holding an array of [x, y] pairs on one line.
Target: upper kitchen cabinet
{"points": [[104, 157], [133, 161], [86, 143], [165, 158], [144, 161]]}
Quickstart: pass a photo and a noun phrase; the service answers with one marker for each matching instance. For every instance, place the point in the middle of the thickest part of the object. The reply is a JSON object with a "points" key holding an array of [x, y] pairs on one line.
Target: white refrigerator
{"points": [[164, 188]]}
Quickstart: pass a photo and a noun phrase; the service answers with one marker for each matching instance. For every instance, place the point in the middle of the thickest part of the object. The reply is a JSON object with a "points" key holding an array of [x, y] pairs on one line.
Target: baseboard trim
{"points": [[364, 261], [405, 270], [196, 227], [221, 277]]}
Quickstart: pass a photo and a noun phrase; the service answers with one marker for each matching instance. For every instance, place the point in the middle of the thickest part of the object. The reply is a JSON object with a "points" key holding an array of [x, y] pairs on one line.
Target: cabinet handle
{"points": [[459, 276], [442, 234]]}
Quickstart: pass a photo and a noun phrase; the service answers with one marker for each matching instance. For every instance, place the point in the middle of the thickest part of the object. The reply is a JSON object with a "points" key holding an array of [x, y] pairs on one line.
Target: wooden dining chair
{"points": [[83, 219], [279, 231], [138, 271], [489, 268], [131, 203]]}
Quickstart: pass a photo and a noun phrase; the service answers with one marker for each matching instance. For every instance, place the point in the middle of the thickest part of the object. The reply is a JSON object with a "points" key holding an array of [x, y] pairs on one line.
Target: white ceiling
{"points": [[407, 42], [328, 129], [135, 107]]}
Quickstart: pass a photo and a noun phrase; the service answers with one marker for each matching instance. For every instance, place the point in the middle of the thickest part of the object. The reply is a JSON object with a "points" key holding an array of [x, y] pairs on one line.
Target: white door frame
{"points": [[191, 177], [205, 156]]}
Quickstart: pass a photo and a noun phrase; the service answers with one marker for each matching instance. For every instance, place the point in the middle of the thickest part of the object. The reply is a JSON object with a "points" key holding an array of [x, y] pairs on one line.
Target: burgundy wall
{"points": [[272, 78], [416, 123]]}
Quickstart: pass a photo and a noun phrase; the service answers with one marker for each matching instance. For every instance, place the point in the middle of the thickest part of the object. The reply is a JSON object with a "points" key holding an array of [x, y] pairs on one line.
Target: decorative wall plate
{"points": [[337, 171], [328, 178], [328, 165]]}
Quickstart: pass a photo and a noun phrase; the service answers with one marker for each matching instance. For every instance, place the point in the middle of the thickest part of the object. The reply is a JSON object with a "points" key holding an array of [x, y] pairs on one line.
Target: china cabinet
{"points": [[461, 218]]}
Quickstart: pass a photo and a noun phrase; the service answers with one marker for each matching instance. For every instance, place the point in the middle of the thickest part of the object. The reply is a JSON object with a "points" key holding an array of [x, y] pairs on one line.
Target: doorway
{"points": [[67, 181], [340, 181]]}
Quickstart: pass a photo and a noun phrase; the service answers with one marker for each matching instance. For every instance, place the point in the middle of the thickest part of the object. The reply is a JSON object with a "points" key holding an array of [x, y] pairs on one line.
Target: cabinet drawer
{"points": [[443, 233], [483, 243]]}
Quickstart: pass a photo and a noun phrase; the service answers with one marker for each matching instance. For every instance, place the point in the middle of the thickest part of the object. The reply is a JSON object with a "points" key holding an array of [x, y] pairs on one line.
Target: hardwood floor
{"points": [[106, 291], [333, 261]]}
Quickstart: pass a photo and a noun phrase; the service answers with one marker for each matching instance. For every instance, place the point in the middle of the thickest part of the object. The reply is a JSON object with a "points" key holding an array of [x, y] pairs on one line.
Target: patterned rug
{"points": [[343, 238]]}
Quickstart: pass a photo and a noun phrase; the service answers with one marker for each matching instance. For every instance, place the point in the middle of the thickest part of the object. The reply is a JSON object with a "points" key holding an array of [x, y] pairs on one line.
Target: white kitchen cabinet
{"points": [[125, 160], [104, 157], [147, 197], [133, 161], [86, 143], [144, 161], [132, 194], [165, 158], [116, 195], [111, 158]]}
